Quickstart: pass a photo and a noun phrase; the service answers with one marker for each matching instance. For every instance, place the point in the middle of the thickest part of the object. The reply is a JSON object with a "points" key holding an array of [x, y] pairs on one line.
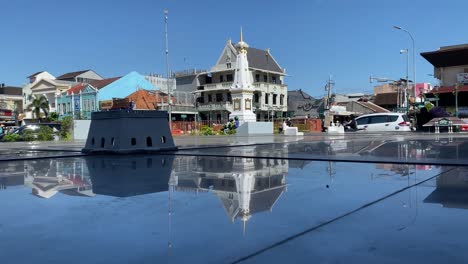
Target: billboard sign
{"points": [[76, 103], [462, 78]]}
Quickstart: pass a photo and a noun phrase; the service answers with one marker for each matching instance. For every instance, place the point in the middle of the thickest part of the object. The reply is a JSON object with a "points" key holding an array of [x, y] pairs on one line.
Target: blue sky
{"points": [[311, 39]]}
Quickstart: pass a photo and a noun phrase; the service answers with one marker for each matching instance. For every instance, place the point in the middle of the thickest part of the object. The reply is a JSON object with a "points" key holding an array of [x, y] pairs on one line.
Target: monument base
{"points": [[124, 132], [255, 128], [244, 117]]}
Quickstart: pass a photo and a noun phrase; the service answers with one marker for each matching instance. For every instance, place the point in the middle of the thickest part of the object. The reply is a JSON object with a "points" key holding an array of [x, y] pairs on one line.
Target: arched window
{"points": [[103, 141], [133, 141], [149, 142], [112, 142], [163, 139], [92, 142]]}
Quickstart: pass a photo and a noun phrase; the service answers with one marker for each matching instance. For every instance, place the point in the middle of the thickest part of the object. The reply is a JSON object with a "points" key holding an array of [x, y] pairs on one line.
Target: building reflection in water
{"points": [[51, 176], [244, 186], [451, 189]]}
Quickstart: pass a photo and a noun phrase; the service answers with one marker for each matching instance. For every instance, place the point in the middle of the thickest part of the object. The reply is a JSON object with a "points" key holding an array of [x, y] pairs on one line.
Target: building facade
{"points": [[451, 69], [213, 87]]}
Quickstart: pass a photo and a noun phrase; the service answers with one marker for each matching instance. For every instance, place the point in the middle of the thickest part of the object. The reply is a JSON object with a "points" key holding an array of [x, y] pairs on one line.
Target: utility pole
{"points": [[328, 88], [169, 83]]}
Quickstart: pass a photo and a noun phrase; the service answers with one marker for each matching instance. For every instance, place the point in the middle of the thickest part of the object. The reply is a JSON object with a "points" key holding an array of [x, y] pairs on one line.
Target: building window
{"points": [[228, 65], [256, 97], [68, 107], [219, 97], [229, 97], [266, 98], [149, 142], [229, 78], [273, 79], [265, 78], [221, 78], [281, 99], [274, 98], [209, 98], [133, 141], [92, 105], [257, 77]]}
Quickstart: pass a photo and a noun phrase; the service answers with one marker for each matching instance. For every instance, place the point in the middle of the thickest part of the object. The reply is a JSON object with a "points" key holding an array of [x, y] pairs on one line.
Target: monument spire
{"points": [[242, 87]]}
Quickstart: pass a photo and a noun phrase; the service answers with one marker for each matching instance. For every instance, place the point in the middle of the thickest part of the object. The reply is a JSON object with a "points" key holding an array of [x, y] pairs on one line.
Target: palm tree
{"points": [[38, 103]]}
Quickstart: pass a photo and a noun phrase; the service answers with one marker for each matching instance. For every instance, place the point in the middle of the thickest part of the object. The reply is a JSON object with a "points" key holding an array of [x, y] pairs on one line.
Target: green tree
{"points": [[53, 116], [38, 103]]}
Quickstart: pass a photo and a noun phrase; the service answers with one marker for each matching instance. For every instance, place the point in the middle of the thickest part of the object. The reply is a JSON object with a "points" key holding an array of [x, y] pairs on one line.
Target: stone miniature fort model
{"points": [[123, 132]]}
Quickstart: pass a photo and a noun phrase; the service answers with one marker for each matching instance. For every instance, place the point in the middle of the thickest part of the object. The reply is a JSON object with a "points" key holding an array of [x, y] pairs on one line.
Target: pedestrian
{"points": [[288, 122], [2, 130], [236, 122]]}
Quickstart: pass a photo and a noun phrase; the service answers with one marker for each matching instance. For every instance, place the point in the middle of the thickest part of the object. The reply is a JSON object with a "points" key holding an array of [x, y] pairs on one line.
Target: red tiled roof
{"points": [[449, 89], [101, 83], [145, 100], [77, 88], [71, 75]]}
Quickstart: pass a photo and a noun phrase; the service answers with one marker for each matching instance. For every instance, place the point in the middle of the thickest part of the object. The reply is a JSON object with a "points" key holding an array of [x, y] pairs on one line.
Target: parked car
{"points": [[35, 129], [384, 122]]}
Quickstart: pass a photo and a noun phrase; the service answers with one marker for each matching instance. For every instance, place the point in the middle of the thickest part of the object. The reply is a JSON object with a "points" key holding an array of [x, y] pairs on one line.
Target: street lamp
{"points": [[414, 56], [455, 92], [169, 84], [407, 83]]}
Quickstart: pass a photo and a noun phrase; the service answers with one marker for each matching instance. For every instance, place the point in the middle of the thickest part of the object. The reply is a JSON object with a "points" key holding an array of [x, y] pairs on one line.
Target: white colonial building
{"points": [[214, 88]]}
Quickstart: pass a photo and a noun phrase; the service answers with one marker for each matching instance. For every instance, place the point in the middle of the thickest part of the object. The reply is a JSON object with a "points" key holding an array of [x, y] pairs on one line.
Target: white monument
{"points": [[242, 89], [242, 96]]}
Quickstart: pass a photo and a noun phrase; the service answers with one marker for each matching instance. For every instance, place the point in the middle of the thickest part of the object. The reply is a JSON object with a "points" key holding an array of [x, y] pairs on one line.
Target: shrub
{"points": [[11, 138], [45, 133], [28, 135], [53, 116], [207, 131], [65, 131]]}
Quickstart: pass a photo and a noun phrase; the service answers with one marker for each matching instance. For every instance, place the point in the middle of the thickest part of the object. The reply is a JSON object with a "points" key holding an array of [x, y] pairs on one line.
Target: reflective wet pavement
{"points": [[234, 204]]}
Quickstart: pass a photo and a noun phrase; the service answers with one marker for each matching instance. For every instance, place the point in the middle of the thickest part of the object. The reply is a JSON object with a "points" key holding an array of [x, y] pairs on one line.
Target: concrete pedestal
{"points": [[255, 128]]}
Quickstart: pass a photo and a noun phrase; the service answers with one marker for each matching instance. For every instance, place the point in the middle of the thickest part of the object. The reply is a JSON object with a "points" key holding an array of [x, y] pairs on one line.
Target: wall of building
{"points": [[81, 129], [448, 75], [89, 75]]}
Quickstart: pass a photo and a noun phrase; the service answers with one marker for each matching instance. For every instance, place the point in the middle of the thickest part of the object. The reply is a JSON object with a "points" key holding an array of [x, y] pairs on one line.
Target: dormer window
{"points": [[228, 65]]}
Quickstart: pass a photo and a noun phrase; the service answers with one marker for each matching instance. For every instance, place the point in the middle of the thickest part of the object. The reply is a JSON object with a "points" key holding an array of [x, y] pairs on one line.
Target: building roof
{"points": [[77, 88], [262, 59], [34, 74], [386, 99], [449, 89], [373, 107], [71, 74], [102, 83], [448, 56], [302, 103], [146, 100], [11, 90]]}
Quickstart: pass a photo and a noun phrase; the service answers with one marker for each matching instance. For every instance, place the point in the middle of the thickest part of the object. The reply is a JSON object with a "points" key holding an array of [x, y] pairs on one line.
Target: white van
{"points": [[384, 122]]}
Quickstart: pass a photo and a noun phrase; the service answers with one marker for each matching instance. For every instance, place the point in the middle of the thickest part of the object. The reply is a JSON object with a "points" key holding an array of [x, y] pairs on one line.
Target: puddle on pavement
{"points": [[142, 209]]}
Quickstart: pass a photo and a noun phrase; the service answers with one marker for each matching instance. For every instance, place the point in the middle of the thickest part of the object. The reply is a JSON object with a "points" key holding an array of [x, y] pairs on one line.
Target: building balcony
{"points": [[215, 106], [217, 86], [266, 107], [270, 87]]}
